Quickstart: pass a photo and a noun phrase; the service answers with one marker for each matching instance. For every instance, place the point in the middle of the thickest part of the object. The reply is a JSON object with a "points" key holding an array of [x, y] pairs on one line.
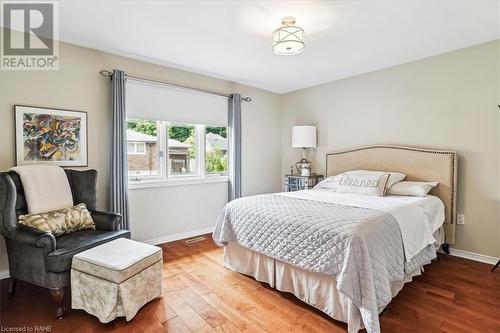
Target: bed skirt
{"points": [[317, 290]]}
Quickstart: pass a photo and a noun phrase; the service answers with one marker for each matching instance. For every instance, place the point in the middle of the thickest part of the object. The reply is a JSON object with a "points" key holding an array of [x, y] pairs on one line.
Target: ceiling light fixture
{"points": [[288, 39]]}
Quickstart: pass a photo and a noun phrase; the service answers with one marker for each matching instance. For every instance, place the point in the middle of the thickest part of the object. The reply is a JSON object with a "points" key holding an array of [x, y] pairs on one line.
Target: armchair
{"points": [[39, 257]]}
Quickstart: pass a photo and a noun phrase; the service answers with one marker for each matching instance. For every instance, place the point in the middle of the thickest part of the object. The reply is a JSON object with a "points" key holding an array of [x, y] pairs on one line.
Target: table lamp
{"points": [[304, 137]]}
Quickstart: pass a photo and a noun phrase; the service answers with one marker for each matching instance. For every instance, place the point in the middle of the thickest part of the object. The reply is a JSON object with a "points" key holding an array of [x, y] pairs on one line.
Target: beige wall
{"points": [[77, 85], [444, 102]]}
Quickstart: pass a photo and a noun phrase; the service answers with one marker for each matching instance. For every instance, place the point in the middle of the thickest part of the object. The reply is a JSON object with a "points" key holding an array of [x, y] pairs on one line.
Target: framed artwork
{"points": [[45, 135]]}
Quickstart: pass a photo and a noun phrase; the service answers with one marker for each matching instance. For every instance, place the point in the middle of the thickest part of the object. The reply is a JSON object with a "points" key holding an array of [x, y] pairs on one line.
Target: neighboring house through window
{"points": [[182, 150], [142, 150]]}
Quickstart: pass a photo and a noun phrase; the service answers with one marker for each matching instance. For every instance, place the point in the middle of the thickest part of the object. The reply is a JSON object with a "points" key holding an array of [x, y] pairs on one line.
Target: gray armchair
{"points": [[40, 258]]}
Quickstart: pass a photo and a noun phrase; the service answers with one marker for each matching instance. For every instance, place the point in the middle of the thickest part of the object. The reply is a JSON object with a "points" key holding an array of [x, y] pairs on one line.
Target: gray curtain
{"points": [[119, 169], [234, 124]]}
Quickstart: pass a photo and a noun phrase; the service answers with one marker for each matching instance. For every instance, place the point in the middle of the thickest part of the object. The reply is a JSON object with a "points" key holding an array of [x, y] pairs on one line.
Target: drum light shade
{"points": [[304, 137], [288, 39]]}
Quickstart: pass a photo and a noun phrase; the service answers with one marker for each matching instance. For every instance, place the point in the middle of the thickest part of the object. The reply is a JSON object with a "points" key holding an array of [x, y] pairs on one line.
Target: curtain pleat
{"points": [[119, 168], [234, 125]]}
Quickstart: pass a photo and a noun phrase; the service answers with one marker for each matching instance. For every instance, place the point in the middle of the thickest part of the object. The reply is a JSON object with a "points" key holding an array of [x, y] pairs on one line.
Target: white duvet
{"points": [[418, 217]]}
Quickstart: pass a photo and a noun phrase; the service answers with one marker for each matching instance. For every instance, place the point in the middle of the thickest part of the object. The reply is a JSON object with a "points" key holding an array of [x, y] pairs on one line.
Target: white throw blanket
{"points": [[46, 187]]}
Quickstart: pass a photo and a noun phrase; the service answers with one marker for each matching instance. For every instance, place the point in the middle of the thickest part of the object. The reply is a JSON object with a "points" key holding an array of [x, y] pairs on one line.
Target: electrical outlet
{"points": [[461, 219]]}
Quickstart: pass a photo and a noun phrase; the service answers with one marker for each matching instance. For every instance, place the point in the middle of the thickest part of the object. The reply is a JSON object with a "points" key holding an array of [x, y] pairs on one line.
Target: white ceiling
{"points": [[232, 39]]}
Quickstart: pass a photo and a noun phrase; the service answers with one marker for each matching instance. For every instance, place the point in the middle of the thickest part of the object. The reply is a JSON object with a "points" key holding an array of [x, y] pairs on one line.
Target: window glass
{"points": [[182, 150], [216, 149], [143, 148], [140, 147], [130, 148]]}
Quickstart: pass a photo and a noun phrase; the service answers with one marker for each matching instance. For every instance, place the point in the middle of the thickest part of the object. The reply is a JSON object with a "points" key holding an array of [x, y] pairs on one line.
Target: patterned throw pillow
{"points": [[367, 184], [332, 182], [61, 221]]}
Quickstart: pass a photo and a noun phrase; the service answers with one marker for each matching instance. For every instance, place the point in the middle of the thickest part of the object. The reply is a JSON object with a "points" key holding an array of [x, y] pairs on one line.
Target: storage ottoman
{"points": [[116, 279]]}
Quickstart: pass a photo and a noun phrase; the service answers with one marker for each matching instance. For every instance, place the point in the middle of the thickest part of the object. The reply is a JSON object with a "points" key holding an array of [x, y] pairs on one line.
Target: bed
{"points": [[347, 255]]}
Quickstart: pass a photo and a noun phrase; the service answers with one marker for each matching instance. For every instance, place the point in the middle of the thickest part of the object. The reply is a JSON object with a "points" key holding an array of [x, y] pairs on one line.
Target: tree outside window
{"points": [[216, 149]]}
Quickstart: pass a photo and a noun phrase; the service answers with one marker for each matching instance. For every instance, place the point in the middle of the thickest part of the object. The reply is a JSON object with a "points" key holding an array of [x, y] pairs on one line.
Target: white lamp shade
{"points": [[304, 137]]}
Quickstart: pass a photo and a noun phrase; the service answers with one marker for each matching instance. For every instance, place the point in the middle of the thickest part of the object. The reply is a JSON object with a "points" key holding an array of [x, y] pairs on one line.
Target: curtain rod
{"points": [[109, 74]]}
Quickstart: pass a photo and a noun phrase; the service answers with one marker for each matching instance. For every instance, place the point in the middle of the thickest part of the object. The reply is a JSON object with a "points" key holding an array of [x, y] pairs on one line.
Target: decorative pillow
{"points": [[61, 221], [367, 184], [394, 177], [332, 182], [418, 189]]}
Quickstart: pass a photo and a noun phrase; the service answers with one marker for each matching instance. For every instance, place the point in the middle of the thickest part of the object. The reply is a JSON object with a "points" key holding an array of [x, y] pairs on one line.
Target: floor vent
{"points": [[194, 240]]}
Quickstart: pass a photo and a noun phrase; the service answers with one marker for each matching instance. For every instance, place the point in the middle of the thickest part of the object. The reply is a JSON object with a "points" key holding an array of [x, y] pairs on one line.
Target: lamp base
{"points": [[303, 167]]}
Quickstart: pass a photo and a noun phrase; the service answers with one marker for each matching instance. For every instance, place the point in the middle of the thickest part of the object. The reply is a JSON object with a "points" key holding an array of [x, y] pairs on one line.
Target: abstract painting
{"points": [[50, 136]]}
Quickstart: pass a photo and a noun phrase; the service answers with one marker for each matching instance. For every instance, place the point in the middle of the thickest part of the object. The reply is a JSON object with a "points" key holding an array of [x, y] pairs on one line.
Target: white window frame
{"points": [[164, 179]]}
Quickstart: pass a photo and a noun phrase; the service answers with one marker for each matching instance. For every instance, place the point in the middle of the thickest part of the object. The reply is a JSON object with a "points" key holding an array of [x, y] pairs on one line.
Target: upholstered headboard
{"points": [[418, 164]]}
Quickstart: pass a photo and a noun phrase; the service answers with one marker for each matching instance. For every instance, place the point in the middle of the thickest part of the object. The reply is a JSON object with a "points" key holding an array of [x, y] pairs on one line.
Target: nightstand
{"points": [[296, 182]]}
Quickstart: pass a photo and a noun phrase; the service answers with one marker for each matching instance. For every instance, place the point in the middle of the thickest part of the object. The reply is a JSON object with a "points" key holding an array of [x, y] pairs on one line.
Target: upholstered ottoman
{"points": [[116, 279]]}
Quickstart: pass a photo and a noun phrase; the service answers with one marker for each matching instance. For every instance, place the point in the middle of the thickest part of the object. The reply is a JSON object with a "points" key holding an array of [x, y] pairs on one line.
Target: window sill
{"points": [[177, 182]]}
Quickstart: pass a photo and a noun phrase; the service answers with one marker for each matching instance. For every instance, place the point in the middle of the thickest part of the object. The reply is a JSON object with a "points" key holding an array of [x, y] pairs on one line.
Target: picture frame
{"points": [[50, 136]]}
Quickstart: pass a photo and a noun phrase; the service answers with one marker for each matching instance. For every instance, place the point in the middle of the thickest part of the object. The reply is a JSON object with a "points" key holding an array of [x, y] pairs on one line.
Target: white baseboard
{"points": [[473, 256], [4, 274], [179, 236]]}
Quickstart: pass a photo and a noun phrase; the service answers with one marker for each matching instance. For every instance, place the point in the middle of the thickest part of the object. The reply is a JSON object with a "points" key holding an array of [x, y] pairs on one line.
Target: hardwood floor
{"points": [[200, 295]]}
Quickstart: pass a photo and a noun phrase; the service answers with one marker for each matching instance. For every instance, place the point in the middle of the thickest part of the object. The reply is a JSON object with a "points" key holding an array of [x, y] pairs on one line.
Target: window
{"points": [[182, 150], [142, 148], [182, 135], [163, 151], [216, 150]]}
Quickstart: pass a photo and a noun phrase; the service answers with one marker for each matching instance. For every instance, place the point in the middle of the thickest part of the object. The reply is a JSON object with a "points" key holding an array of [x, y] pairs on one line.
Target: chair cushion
{"points": [[69, 245], [118, 260]]}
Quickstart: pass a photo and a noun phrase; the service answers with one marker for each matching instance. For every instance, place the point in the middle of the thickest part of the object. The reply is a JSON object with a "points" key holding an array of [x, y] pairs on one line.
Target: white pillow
{"points": [[418, 189], [329, 183], [366, 184], [394, 177]]}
